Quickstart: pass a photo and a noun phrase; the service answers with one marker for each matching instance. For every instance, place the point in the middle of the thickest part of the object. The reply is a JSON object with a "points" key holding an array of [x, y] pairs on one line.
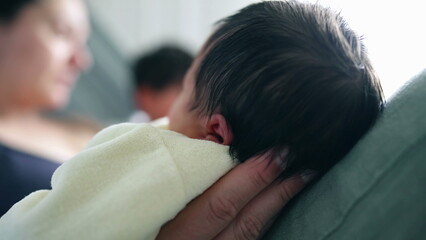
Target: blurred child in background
{"points": [[158, 78]]}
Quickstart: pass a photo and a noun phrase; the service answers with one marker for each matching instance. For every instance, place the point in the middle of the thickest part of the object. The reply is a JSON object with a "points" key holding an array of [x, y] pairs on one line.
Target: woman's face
{"points": [[42, 52]]}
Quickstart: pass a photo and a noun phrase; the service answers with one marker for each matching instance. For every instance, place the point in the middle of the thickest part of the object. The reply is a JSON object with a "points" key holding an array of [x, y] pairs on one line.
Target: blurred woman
{"points": [[42, 52]]}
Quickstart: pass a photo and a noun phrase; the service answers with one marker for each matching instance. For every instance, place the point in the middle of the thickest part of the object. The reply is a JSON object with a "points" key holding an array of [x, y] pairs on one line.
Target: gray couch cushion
{"points": [[379, 190]]}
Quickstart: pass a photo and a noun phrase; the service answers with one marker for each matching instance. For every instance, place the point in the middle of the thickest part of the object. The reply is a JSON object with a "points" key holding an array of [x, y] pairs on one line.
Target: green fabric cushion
{"points": [[378, 191]]}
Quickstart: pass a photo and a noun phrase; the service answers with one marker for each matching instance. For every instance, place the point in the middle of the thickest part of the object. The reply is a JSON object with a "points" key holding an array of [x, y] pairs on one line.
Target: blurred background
{"points": [[124, 29]]}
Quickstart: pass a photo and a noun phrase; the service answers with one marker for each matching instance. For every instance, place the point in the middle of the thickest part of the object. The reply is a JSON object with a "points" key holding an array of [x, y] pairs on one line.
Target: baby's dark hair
{"points": [[289, 75]]}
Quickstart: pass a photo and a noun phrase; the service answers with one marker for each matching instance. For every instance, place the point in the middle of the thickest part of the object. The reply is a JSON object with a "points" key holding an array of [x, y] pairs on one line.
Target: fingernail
{"points": [[283, 154], [280, 163], [308, 175], [281, 158]]}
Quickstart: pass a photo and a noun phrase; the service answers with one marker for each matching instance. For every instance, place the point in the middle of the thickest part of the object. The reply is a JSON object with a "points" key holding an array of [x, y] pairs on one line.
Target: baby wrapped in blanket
{"points": [[276, 75]]}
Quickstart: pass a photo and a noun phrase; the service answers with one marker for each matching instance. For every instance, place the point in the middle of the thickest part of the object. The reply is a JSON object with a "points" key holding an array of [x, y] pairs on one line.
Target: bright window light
{"points": [[394, 33]]}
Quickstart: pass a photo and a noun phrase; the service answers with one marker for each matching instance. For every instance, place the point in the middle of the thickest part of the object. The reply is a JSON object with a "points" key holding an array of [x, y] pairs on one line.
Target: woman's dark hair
{"points": [[290, 75], [9, 9]]}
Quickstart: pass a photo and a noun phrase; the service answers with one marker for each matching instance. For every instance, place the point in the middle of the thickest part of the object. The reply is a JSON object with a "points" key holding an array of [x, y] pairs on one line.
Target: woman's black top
{"points": [[21, 174]]}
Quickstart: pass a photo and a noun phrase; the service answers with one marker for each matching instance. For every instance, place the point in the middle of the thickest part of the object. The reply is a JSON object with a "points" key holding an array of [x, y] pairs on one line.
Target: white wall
{"points": [[394, 33], [393, 30], [139, 25]]}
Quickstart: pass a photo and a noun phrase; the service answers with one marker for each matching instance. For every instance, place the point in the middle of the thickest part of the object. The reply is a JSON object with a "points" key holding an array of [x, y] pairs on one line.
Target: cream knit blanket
{"points": [[131, 179]]}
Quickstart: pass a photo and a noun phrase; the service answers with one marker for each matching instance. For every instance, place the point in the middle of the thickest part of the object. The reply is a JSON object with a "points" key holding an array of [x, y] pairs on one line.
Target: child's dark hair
{"points": [[162, 68], [290, 75]]}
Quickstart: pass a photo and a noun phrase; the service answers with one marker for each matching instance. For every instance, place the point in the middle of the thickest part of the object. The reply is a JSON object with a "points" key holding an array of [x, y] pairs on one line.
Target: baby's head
{"points": [[281, 75]]}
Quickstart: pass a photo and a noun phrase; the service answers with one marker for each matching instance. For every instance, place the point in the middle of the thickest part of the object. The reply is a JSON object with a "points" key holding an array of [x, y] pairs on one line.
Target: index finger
{"points": [[211, 212], [257, 216]]}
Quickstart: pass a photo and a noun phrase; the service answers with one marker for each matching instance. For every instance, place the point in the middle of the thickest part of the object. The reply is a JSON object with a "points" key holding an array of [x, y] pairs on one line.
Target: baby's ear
{"points": [[218, 130]]}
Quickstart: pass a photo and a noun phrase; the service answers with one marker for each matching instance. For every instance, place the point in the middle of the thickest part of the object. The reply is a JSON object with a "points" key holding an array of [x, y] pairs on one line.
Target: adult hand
{"points": [[241, 205]]}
